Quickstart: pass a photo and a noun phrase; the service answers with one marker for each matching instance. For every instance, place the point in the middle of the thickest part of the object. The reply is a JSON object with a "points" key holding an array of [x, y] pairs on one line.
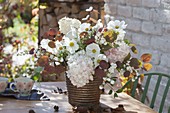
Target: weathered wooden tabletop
{"points": [[10, 105]]}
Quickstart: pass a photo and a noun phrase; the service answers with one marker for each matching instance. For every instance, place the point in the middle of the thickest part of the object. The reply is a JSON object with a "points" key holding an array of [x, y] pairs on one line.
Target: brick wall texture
{"points": [[149, 28]]}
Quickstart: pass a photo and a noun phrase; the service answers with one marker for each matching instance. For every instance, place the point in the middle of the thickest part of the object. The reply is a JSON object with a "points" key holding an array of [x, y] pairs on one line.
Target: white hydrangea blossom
{"points": [[112, 68], [80, 64], [65, 24]]}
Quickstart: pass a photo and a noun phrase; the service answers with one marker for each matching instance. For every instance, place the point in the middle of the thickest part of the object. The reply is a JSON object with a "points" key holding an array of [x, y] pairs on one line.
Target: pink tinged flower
{"points": [[3, 85], [117, 54]]}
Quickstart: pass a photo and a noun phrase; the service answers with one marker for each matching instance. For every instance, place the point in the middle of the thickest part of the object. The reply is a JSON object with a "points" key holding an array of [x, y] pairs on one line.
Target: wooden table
{"points": [[8, 105]]}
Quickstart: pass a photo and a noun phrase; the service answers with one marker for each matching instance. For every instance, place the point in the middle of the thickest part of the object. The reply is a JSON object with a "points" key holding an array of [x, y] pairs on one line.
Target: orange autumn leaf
{"points": [[142, 77], [146, 57], [147, 66]]}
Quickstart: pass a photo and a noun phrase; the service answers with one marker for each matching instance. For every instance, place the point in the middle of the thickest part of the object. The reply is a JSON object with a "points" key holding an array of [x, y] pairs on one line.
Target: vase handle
{"points": [[12, 84]]}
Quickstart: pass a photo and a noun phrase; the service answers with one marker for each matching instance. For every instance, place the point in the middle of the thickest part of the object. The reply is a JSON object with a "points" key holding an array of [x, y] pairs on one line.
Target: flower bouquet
{"points": [[92, 54]]}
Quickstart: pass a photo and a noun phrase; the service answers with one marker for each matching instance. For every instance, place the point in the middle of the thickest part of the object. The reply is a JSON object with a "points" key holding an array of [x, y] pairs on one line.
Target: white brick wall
{"points": [[148, 27]]}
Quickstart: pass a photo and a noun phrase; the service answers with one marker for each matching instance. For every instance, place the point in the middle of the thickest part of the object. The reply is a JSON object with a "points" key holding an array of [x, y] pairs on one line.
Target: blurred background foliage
{"points": [[18, 33]]}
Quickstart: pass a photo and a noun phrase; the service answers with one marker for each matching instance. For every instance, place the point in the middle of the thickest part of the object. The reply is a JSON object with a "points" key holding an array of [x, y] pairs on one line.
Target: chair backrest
{"points": [[155, 91]]}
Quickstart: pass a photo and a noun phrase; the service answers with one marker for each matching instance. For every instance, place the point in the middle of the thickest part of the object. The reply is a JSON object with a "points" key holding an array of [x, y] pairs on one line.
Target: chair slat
{"points": [[155, 92], [164, 96], [145, 89], [134, 87]]}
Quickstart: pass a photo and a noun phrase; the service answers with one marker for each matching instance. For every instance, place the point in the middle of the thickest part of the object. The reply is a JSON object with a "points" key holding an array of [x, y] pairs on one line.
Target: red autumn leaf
{"points": [[119, 64], [104, 65], [59, 69], [89, 41], [83, 34], [100, 73], [52, 32], [32, 51], [126, 74], [134, 63], [43, 61]]}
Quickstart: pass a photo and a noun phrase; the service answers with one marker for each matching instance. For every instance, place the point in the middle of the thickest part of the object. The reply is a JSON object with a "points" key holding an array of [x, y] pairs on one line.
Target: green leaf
{"points": [[115, 95], [127, 41], [36, 77], [38, 69], [134, 50], [119, 90], [110, 92], [127, 58], [106, 47]]}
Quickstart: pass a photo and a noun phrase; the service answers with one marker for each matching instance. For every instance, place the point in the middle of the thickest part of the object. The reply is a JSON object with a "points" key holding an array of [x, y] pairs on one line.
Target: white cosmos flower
{"points": [[84, 27], [59, 46], [71, 45], [66, 23], [116, 25], [99, 58], [98, 25], [93, 50], [121, 34], [45, 45]]}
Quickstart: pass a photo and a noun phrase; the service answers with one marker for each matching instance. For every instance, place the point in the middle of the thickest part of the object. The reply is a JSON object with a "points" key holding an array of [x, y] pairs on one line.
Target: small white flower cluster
{"points": [[80, 69]]}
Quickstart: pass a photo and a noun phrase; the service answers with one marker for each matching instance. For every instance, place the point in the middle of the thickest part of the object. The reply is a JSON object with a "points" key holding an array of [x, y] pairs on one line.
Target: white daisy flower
{"points": [[98, 25], [59, 46], [93, 50], [99, 58], [84, 27], [45, 45], [71, 45], [116, 25]]}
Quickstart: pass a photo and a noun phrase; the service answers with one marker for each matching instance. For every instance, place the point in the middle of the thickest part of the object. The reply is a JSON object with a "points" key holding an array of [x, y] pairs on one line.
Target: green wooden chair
{"points": [[143, 96]]}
